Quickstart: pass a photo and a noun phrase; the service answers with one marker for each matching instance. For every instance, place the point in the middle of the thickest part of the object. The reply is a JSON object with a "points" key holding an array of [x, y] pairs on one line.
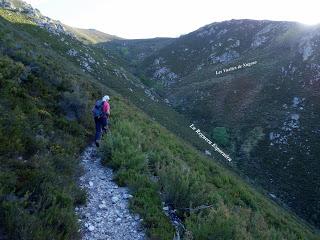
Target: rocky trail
{"points": [[106, 215]]}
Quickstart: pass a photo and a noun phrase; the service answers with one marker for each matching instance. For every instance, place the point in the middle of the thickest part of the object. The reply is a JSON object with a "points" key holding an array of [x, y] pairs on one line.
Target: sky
{"points": [[170, 18]]}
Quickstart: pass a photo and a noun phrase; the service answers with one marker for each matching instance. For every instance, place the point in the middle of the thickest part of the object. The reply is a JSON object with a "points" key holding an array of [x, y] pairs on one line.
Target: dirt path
{"points": [[106, 215]]}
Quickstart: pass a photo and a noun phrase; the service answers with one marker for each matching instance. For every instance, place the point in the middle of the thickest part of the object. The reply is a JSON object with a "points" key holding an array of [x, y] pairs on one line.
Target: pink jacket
{"points": [[106, 108]]}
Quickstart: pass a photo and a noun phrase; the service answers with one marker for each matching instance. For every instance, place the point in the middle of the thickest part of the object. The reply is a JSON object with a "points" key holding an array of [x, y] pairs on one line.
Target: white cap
{"points": [[106, 98]]}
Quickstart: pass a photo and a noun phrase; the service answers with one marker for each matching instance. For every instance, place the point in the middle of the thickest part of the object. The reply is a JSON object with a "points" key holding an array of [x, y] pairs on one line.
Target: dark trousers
{"points": [[101, 124]]}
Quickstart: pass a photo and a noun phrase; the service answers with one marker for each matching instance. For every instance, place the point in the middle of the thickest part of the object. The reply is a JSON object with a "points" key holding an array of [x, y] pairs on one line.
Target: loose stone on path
{"points": [[106, 215]]}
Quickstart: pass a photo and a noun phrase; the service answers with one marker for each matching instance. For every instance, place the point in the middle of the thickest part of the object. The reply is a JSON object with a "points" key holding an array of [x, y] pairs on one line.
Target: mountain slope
{"points": [[130, 53], [49, 81], [253, 86], [188, 182]]}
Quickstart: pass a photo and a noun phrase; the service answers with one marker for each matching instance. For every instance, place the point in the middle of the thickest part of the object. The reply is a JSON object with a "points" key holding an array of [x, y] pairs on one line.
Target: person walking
{"points": [[101, 113]]}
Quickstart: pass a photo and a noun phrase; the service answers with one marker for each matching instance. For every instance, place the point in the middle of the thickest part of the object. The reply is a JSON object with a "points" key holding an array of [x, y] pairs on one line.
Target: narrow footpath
{"points": [[106, 215]]}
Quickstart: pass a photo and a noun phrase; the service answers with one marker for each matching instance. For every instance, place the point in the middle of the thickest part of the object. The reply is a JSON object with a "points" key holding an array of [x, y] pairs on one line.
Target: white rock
{"points": [[72, 52], [207, 152], [122, 206], [114, 199], [102, 206], [272, 195], [91, 228], [126, 196]]}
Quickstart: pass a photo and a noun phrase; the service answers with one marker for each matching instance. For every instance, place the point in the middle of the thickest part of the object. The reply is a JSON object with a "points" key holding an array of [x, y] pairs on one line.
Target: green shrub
{"points": [[254, 136], [221, 135]]}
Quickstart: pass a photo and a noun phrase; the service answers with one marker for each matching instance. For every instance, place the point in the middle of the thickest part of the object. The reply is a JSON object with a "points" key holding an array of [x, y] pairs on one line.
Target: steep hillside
{"points": [[212, 202], [253, 86], [45, 104], [48, 83]]}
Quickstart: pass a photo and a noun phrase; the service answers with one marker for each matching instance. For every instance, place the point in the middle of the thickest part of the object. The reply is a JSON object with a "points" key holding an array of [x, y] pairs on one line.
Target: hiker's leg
{"points": [[104, 123], [98, 129]]}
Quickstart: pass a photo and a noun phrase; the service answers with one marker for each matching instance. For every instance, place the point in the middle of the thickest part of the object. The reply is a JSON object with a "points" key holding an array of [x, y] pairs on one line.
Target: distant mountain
{"points": [[91, 36], [253, 86], [137, 49]]}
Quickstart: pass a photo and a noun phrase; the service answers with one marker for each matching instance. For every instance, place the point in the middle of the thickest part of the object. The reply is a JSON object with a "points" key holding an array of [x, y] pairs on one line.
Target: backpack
{"points": [[97, 110]]}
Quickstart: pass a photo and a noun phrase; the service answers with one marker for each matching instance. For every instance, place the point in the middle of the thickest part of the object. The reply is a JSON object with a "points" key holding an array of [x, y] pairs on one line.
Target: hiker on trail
{"points": [[101, 113]]}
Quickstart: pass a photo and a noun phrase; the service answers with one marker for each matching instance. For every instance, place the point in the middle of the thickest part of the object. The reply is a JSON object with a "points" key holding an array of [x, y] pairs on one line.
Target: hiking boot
{"points": [[97, 143]]}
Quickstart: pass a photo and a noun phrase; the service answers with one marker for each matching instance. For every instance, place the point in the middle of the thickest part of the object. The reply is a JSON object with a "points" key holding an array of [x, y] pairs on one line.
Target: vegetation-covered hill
{"points": [[48, 83], [265, 113]]}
